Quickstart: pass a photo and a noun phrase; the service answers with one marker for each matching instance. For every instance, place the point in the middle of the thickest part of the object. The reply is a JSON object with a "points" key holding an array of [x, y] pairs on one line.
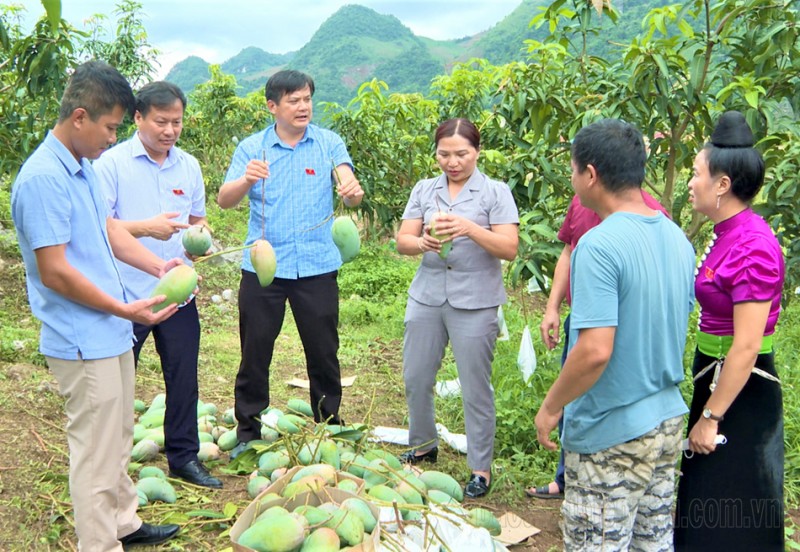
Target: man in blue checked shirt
{"points": [[287, 172], [156, 191]]}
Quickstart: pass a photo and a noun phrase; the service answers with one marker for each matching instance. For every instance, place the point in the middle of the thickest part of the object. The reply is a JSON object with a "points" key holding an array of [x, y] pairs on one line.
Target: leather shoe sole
{"points": [[149, 534]]}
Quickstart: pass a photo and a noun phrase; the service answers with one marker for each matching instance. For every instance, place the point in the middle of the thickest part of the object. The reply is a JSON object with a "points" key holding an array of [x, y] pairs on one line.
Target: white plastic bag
{"points": [[456, 441], [526, 358], [502, 329], [450, 388], [396, 435]]}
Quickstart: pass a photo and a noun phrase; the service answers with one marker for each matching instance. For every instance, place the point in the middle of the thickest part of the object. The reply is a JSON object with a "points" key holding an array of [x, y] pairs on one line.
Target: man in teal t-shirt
{"points": [[632, 292]]}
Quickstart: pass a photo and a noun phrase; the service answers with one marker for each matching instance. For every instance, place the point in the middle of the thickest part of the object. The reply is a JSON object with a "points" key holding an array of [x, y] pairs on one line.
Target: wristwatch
{"points": [[709, 416]]}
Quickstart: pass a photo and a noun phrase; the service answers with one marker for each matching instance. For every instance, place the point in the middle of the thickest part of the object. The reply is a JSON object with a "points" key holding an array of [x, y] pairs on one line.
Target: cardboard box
{"points": [[327, 494]]}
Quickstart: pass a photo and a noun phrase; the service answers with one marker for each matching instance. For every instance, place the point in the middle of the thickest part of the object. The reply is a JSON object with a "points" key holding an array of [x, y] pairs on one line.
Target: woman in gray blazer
{"points": [[463, 223]]}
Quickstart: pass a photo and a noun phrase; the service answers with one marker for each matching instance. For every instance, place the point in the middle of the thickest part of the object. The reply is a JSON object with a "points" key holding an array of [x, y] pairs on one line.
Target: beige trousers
{"points": [[99, 408]]}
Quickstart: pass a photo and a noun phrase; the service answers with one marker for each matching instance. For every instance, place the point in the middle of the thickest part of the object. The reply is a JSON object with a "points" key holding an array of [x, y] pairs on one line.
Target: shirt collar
{"points": [[138, 150], [271, 136], [64, 155], [736, 220]]}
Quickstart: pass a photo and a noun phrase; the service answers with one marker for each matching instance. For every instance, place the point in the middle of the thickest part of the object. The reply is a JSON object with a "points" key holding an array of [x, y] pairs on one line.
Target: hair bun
{"points": [[732, 131]]}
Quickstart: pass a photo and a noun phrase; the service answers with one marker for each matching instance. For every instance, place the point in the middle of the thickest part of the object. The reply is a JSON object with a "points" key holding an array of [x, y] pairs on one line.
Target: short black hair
{"points": [[98, 88], [615, 149], [161, 94], [730, 152], [285, 82]]}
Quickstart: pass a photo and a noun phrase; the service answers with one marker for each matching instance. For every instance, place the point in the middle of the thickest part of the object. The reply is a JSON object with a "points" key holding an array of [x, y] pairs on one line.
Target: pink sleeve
{"points": [[565, 232], [751, 271]]}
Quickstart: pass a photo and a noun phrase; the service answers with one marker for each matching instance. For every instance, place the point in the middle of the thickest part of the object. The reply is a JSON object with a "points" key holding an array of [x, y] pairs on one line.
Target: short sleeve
{"points": [[752, 271], [239, 163], [42, 211], [105, 169], [199, 192], [504, 210], [413, 209], [594, 275], [338, 151], [565, 232]]}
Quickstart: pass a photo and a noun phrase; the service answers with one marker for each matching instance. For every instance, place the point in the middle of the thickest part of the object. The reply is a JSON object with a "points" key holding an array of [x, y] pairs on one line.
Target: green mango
{"points": [[144, 451], [329, 454], [152, 471], [345, 236], [314, 515], [362, 510], [276, 533], [262, 255], [227, 441], [299, 406], [348, 526], [156, 488], [322, 539], [178, 285], [445, 250], [442, 482], [480, 517], [196, 240], [256, 485]]}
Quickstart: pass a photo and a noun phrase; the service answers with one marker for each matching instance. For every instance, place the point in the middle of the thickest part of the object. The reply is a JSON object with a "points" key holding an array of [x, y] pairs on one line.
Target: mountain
{"points": [[357, 44]]}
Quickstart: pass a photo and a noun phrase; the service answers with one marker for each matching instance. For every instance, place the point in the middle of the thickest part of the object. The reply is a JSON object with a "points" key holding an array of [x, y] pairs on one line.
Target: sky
{"points": [[217, 30]]}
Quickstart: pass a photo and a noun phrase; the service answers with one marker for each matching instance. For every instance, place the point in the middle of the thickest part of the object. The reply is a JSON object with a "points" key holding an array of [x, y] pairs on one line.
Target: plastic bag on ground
{"points": [[456, 441]]}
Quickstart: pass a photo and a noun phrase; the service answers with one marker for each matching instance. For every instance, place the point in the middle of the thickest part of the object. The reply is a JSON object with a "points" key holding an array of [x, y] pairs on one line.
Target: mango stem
{"points": [[218, 253]]}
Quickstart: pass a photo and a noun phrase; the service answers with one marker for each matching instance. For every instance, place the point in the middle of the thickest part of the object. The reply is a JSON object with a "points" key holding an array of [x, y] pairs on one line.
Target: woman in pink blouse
{"points": [[730, 495]]}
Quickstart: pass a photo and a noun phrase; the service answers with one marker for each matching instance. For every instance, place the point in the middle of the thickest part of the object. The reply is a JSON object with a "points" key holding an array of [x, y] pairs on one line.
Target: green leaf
{"points": [[53, 9], [230, 509]]}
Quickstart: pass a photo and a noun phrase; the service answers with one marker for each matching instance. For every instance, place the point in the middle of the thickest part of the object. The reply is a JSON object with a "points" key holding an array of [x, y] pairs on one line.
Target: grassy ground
{"points": [[34, 460]]}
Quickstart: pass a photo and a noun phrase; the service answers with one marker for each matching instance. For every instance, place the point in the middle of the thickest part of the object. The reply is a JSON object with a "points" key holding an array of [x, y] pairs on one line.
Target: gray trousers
{"points": [[472, 335]]}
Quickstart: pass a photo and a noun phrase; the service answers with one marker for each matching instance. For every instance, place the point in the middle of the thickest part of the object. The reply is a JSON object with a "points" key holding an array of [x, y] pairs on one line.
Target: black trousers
{"points": [[177, 342], [315, 305]]}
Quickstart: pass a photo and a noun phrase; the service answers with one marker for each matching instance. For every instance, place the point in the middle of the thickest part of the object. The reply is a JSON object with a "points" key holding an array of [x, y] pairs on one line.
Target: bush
{"points": [[377, 272]]}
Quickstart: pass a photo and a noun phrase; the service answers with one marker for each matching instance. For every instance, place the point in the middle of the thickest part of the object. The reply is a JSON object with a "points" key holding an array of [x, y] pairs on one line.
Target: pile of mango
{"points": [[296, 459]]}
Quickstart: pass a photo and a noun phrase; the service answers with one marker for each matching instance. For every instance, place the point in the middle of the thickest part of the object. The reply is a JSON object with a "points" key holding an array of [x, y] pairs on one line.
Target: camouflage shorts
{"points": [[621, 498]]}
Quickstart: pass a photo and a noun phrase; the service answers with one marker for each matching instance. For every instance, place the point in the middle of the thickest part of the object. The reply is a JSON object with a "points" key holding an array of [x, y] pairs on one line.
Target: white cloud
{"points": [[216, 31]]}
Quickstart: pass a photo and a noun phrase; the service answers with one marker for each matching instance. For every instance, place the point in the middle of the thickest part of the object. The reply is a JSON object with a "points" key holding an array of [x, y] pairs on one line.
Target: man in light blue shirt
{"points": [[68, 244], [287, 173], [156, 190], [632, 292]]}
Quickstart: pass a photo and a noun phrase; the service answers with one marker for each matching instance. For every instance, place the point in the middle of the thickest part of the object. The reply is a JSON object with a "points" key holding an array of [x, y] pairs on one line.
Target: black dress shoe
{"points": [[196, 473], [411, 456], [149, 534], [477, 486]]}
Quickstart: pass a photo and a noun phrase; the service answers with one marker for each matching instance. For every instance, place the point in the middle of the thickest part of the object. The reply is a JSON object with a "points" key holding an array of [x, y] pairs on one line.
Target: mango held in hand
{"points": [[262, 255], [196, 240], [178, 285], [443, 252], [346, 238]]}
